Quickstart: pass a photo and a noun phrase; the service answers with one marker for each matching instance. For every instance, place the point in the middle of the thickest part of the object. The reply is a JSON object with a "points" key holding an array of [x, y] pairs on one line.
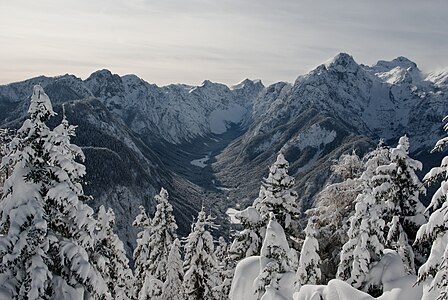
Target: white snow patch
{"points": [[220, 118], [314, 136], [222, 188], [231, 213], [394, 76], [243, 281], [201, 162], [390, 271], [439, 78], [192, 89]]}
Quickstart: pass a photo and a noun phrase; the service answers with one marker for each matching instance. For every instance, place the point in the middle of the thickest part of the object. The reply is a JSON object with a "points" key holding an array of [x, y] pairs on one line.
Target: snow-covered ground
{"points": [[220, 118], [389, 272], [231, 213], [201, 162], [314, 136]]}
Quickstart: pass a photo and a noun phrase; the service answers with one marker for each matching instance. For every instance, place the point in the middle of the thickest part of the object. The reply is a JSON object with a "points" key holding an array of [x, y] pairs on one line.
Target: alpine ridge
{"points": [[213, 144]]}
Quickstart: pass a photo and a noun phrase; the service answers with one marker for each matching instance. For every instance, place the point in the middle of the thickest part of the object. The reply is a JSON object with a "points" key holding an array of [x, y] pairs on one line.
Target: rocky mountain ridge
{"points": [[211, 144]]}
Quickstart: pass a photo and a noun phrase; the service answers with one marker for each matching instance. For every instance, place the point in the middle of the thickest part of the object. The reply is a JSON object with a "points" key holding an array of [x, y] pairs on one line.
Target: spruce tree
{"points": [[246, 242], [142, 250], [275, 259], [434, 273], [365, 235], [221, 254], [399, 188], [6, 136], [113, 263], [397, 239], [221, 250], [172, 287], [163, 234], [46, 231], [365, 244], [151, 289], [200, 266], [309, 264], [153, 247], [277, 196]]}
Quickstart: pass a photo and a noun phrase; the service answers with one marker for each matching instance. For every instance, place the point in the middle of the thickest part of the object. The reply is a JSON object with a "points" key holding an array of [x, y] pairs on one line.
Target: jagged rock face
{"points": [[177, 113], [138, 137], [337, 107]]}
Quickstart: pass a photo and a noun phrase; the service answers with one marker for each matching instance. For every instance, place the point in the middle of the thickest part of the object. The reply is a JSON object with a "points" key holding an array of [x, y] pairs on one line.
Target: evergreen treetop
{"points": [[47, 242]]}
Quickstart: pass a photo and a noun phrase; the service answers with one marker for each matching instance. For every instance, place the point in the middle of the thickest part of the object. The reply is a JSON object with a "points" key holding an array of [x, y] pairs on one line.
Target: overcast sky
{"points": [[187, 41]]}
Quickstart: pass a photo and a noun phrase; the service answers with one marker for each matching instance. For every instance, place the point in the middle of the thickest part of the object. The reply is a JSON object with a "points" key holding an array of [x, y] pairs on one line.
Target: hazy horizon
{"points": [[187, 42]]}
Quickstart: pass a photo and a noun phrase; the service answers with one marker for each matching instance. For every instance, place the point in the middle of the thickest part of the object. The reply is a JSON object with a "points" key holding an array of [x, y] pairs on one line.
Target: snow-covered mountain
{"points": [[214, 143], [339, 106], [178, 113]]}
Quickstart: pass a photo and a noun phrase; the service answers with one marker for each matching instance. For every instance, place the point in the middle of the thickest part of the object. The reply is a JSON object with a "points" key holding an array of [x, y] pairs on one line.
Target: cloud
{"points": [[187, 41]]}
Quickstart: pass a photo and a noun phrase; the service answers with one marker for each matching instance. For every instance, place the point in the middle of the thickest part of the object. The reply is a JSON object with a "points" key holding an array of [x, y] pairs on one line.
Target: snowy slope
{"points": [[440, 78]]}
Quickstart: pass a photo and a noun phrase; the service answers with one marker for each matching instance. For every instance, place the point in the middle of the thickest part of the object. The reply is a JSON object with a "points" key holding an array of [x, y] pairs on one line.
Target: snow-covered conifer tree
{"points": [[163, 234], [274, 259], [225, 277], [365, 244], [142, 250], [277, 196], [434, 273], [172, 287], [46, 231], [151, 289], [245, 243], [221, 250], [309, 264], [153, 246], [398, 240], [380, 156], [248, 241], [113, 263], [397, 185], [6, 136], [200, 266]]}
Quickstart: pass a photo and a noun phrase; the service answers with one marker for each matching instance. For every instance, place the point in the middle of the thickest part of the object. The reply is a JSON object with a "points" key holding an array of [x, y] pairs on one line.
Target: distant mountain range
{"points": [[212, 144]]}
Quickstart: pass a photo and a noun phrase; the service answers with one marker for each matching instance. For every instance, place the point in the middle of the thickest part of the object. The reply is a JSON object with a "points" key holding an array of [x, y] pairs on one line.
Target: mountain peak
{"points": [[246, 83], [342, 62], [103, 83], [206, 83], [103, 73], [398, 70], [401, 61]]}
